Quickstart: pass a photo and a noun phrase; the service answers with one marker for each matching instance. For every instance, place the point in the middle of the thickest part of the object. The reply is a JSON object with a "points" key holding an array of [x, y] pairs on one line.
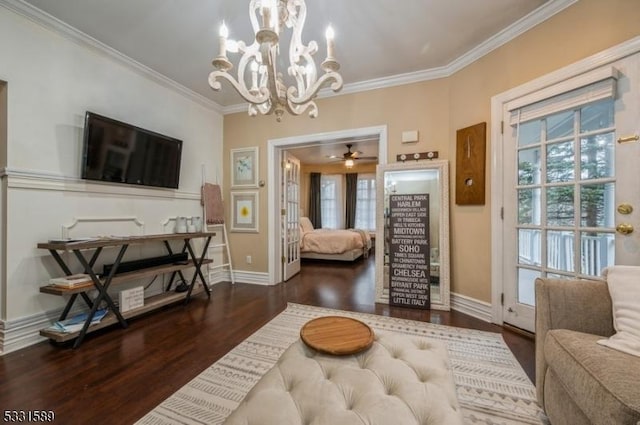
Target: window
{"points": [[366, 202], [331, 201], [564, 185]]}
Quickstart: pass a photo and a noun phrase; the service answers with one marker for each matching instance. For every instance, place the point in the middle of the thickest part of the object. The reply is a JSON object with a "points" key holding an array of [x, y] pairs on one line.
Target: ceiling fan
{"points": [[348, 157]]}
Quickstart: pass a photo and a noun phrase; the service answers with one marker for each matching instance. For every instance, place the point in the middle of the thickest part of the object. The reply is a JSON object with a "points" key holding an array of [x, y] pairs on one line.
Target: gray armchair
{"points": [[577, 380]]}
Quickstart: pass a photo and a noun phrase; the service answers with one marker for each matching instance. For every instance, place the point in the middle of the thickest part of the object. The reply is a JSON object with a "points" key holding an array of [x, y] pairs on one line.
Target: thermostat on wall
{"points": [[410, 136]]}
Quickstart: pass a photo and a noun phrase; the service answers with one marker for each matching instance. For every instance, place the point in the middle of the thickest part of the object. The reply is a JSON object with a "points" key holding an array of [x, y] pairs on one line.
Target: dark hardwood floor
{"points": [[117, 375]]}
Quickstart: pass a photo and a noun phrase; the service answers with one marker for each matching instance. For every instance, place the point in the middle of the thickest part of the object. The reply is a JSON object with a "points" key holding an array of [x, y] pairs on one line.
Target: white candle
{"points": [[254, 75], [266, 13], [308, 70], [224, 33], [330, 43]]}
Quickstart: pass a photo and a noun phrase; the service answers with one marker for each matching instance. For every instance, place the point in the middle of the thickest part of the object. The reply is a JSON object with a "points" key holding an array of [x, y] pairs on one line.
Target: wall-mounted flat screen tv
{"points": [[122, 153]]}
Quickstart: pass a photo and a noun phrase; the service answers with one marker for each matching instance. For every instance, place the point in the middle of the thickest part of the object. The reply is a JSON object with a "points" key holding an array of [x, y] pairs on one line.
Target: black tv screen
{"points": [[122, 153]]}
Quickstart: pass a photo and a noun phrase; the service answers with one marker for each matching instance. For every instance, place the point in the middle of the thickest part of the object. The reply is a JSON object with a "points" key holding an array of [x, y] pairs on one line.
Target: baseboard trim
{"points": [[471, 306], [253, 278], [23, 332]]}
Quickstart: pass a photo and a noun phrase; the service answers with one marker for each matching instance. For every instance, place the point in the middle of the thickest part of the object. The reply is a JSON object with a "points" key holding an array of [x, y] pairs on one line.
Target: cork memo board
{"points": [[471, 144]]}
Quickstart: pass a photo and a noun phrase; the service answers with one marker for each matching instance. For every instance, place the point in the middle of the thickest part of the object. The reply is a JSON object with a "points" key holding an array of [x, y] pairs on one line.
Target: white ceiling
{"points": [[378, 42], [332, 152], [375, 39]]}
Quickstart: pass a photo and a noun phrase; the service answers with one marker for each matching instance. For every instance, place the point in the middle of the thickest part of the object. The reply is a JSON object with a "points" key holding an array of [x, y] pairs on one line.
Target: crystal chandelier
{"points": [[259, 82]]}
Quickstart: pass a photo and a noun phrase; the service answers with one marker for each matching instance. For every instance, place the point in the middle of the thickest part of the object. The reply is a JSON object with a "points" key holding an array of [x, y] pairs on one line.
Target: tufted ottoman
{"points": [[400, 380]]}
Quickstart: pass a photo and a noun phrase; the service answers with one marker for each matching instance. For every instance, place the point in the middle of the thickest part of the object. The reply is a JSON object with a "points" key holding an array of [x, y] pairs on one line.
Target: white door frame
{"points": [[498, 104], [274, 147]]}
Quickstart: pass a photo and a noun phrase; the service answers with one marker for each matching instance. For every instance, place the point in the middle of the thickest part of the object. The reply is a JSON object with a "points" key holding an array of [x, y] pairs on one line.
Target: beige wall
{"points": [[437, 109], [3, 124]]}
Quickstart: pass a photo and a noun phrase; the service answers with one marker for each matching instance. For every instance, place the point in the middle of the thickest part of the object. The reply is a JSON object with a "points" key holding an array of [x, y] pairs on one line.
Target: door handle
{"points": [[625, 209], [624, 228]]}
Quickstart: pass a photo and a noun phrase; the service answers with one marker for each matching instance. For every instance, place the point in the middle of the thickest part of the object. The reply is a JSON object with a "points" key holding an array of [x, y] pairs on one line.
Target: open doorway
{"points": [[276, 147]]}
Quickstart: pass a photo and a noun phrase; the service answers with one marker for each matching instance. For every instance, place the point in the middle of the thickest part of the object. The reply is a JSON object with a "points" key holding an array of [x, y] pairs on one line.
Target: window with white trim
{"points": [[564, 185], [366, 202], [331, 201]]}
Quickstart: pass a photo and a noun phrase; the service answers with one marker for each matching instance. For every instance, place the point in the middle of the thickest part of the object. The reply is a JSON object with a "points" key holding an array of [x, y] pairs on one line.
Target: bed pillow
{"points": [[305, 224], [624, 288]]}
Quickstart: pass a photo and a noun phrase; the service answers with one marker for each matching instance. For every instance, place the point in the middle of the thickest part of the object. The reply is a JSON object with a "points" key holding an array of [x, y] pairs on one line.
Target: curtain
{"points": [[315, 210], [351, 200]]}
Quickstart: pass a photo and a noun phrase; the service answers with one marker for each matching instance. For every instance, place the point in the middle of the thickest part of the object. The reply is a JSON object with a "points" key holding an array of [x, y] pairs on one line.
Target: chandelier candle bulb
{"points": [[254, 76], [266, 14], [330, 42], [224, 33]]}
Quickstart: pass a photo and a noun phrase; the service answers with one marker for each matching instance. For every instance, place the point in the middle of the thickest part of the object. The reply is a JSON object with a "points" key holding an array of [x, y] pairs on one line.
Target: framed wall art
{"points": [[244, 167], [244, 211]]}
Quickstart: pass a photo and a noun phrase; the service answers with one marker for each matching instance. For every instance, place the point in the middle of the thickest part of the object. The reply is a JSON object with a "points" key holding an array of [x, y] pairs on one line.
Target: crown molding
{"points": [[514, 30], [519, 27], [65, 30], [534, 18]]}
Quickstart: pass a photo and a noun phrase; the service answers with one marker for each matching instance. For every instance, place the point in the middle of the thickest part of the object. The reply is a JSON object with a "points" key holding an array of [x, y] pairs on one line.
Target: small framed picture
{"points": [[244, 167], [244, 213]]}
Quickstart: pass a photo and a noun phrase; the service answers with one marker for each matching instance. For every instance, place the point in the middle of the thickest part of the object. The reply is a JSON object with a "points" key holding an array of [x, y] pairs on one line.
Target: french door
{"points": [[290, 215], [571, 182]]}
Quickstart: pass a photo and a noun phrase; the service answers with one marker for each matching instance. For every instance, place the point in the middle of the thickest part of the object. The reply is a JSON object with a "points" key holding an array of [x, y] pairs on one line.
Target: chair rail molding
{"points": [[42, 180], [66, 228]]}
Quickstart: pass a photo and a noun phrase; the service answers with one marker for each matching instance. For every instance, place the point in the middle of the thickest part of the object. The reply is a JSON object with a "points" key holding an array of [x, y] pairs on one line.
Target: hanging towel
{"points": [[212, 201]]}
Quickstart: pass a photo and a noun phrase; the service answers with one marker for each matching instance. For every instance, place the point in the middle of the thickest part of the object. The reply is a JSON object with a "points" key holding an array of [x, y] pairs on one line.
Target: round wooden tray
{"points": [[337, 335]]}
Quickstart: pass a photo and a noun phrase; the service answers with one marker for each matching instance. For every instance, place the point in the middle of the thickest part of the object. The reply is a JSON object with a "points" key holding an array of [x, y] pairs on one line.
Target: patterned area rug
{"points": [[492, 388]]}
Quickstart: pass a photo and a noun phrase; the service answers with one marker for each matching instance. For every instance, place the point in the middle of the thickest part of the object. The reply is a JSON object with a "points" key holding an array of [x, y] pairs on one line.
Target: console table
{"points": [[102, 284]]}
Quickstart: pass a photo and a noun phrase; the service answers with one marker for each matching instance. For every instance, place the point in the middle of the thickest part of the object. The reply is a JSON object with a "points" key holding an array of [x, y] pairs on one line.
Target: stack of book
{"points": [[72, 281], [75, 323]]}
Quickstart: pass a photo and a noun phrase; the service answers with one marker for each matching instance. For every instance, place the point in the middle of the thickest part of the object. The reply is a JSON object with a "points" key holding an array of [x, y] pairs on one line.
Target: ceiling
{"points": [[332, 152], [375, 39]]}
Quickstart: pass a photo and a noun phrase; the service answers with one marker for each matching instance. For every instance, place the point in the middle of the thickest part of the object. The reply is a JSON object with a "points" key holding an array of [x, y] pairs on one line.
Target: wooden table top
{"points": [[337, 335]]}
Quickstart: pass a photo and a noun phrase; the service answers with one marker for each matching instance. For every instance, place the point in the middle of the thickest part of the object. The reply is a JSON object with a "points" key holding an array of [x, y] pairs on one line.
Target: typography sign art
{"points": [[409, 251]]}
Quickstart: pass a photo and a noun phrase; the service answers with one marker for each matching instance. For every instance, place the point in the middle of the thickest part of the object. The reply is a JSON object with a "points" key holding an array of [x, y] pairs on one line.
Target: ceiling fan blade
{"points": [[367, 157]]}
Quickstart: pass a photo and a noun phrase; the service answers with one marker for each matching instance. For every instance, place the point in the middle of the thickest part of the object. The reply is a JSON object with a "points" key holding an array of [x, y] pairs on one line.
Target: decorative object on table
{"points": [[197, 224], [244, 167], [269, 92], [131, 298], [337, 335], [181, 224], [471, 145], [244, 212]]}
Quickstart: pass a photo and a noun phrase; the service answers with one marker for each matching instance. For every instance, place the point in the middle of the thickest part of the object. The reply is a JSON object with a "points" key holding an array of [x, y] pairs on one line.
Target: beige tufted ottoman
{"points": [[400, 380]]}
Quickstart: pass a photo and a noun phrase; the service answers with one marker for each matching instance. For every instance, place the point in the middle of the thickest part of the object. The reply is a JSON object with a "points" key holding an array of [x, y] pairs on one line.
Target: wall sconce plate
{"points": [[471, 145]]}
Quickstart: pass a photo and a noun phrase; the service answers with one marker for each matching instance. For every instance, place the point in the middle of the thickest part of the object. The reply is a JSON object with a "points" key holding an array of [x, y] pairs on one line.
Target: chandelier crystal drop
{"points": [[258, 80]]}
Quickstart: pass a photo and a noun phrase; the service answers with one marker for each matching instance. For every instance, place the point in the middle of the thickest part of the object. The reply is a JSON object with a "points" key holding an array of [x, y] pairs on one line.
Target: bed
{"points": [[329, 244]]}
